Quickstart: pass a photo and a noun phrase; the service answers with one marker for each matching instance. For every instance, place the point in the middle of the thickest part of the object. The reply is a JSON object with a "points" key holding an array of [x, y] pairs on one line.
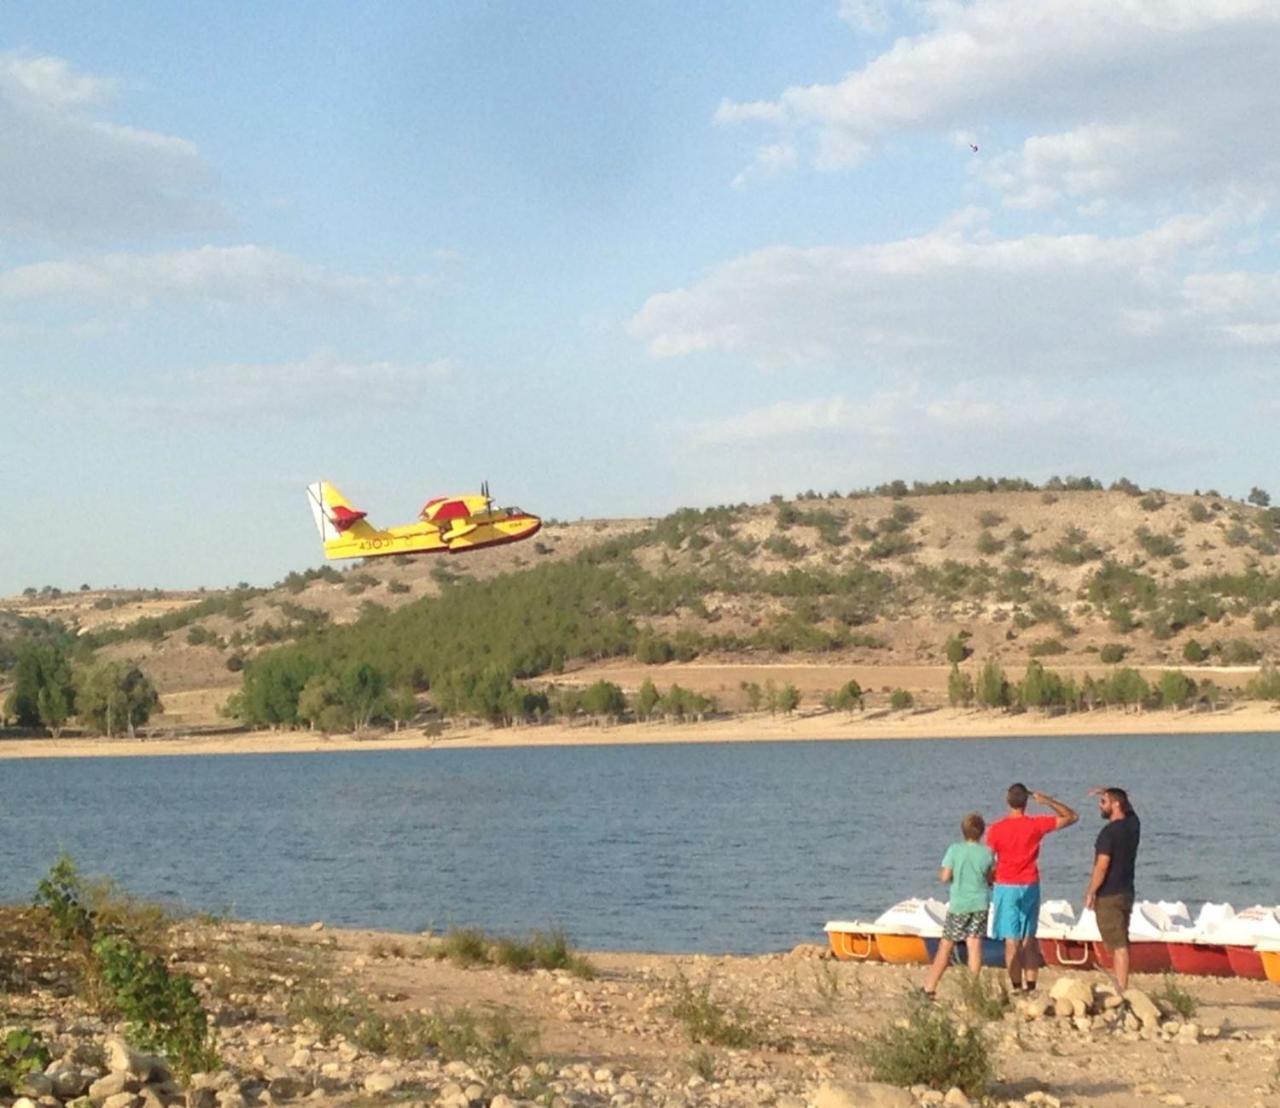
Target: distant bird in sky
{"points": [[974, 147]]}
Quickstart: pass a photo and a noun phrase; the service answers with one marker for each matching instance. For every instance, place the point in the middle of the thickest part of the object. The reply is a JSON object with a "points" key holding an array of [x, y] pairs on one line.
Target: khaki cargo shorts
{"points": [[1113, 913]]}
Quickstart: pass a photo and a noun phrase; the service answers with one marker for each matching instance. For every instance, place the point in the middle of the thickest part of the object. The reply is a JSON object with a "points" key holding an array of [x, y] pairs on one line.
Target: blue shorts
{"points": [[1016, 911]]}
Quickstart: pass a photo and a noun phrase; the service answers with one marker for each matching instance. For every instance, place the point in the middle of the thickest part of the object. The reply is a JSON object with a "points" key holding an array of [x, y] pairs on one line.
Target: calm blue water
{"points": [[718, 847]]}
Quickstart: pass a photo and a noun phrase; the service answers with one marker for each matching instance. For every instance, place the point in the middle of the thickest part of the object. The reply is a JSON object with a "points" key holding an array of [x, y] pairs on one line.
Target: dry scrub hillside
{"points": [[1062, 575]]}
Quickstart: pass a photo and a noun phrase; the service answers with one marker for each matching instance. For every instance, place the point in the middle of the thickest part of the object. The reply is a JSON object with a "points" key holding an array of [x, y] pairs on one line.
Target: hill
{"points": [[1074, 575]]}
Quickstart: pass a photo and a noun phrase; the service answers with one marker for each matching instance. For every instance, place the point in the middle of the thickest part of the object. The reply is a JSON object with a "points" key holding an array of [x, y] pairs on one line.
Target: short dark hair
{"points": [[972, 826], [1017, 796], [1120, 797]]}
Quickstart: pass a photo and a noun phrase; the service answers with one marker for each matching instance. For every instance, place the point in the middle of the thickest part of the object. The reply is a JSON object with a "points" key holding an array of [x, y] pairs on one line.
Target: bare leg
{"points": [[1120, 960], [974, 945], [939, 967], [1031, 961], [1013, 962]]}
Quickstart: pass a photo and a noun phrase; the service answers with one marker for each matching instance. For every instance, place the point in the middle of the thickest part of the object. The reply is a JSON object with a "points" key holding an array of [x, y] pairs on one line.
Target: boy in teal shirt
{"points": [[968, 867]]}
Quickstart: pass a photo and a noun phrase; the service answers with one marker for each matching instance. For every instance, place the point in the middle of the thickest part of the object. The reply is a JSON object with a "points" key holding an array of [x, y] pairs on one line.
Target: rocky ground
{"points": [[364, 1019]]}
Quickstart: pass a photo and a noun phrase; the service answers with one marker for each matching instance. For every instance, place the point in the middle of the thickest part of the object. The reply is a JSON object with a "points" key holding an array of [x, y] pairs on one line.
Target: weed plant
{"points": [[465, 946], [707, 1021], [547, 950], [61, 893], [931, 1049], [1176, 997], [458, 1034], [703, 1063], [982, 995], [161, 1010], [21, 1053]]}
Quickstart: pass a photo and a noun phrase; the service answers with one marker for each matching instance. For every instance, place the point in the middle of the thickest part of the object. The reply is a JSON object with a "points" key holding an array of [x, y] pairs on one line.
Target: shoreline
{"points": [[934, 724]]}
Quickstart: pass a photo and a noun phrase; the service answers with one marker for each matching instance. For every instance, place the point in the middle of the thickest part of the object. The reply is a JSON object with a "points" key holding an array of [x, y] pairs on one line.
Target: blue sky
{"points": [[615, 259]]}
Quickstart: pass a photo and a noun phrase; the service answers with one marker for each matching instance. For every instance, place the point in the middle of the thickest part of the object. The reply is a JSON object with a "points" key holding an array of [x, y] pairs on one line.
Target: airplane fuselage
{"points": [[489, 528]]}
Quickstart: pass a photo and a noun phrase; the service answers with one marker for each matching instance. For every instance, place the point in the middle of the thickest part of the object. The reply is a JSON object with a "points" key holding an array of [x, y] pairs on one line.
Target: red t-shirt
{"points": [[1016, 841]]}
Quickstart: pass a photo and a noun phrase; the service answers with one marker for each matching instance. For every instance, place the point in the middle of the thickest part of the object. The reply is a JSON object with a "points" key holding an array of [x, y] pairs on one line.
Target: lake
{"points": [[733, 847]]}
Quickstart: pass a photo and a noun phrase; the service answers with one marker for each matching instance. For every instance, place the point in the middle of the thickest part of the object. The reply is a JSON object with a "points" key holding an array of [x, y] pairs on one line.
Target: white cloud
{"points": [[868, 16], [247, 276], [321, 387], [67, 175], [955, 301], [1137, 95], [769, 161]]}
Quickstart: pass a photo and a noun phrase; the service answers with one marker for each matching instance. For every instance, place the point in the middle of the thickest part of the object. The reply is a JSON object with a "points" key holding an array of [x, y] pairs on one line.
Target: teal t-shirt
{"points": [[969, 864]]}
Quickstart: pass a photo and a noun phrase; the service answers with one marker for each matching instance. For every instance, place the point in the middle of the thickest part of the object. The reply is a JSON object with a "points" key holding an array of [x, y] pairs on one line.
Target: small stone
{"points": [[474, 1094], [1142, 1007], [1174, 1100], [956, 1098], [36, 1085], [121, 1100], [381, 1082], [502, 1101], [112, 1085], [317, 926], [202, 1097], [866, 1094]]}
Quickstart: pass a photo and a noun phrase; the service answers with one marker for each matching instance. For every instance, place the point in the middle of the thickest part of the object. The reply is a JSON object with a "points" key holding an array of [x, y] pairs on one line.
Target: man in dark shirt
{"points": [[1110, 890]]}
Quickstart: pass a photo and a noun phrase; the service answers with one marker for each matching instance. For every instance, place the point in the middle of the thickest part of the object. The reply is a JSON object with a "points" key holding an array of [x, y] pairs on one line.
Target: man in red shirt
{"points": [[1015, 898]]}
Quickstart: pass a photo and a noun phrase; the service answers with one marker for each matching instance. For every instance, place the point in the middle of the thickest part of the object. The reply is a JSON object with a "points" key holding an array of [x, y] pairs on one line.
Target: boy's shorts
{"points": [[1017, 911], [959, 926]]}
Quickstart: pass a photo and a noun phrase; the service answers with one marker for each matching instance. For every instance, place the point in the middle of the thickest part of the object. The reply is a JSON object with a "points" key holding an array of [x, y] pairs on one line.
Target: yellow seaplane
{"points": [[446, 525]]}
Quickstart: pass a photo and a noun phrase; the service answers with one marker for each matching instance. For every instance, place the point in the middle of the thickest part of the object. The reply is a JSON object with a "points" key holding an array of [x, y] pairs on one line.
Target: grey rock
{"points": [[1143, 1007], [36, 1085], [112, 1085], [865, 1094], [202, 1097], [381, 1082], [70, 1082]]}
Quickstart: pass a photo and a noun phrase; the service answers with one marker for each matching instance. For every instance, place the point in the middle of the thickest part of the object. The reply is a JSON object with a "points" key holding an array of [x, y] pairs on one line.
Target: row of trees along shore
{"points": [[50, 691]]}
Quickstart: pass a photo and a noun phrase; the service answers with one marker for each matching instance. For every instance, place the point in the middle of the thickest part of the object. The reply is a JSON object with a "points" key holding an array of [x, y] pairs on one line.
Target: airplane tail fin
{"points": [[333, 514]]}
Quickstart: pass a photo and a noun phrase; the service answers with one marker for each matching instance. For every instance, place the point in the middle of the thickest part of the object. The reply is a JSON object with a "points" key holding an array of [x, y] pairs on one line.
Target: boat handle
{"points": [[1065, 961]]}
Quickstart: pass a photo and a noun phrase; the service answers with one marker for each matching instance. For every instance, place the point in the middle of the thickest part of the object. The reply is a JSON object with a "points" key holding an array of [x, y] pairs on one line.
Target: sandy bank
{"points": [[940, 723]]}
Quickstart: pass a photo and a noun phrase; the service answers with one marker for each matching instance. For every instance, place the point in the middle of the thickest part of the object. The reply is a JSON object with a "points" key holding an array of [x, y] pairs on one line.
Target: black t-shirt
{"points": [[1119, 841]]}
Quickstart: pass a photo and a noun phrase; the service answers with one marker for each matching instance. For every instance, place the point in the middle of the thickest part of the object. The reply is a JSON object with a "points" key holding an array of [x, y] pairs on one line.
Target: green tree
{"points": [[959, 687], [1193, 652], [362, 691], [900, 699], [1260, 497], [43, 692], [1176, 689], [847, 697], [401, 706], [273, 681], [785, 700], [957, 650], [1126, 686], [992, 689], [754, 693], [647, 698], [115, 695], [319, 693], [604, 698]]}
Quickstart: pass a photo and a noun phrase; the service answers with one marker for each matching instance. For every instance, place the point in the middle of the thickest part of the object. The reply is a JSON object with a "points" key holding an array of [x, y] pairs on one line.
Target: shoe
{"points": [[926, 995], [1029, 987]]}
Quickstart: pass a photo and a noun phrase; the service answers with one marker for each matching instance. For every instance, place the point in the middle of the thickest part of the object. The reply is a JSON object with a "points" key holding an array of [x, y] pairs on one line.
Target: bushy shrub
{"points": [[708, 1021], [22, 1052], [1193, 652], [900, 699], [160, 1009], [1113, 653], [933, 1050]]}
